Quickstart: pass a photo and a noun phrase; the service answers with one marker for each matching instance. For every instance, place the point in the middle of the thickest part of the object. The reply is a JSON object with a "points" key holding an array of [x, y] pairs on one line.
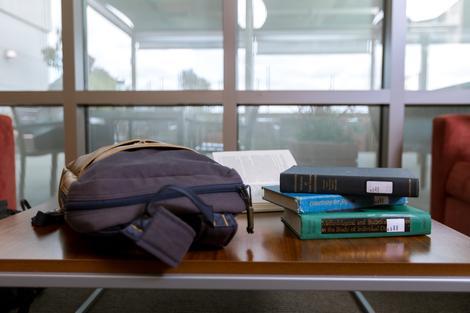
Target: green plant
{"points": [[323, 124]]}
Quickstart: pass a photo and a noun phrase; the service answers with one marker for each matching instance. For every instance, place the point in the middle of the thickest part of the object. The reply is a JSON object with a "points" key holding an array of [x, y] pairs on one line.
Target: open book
{"points": [[258, 168]]}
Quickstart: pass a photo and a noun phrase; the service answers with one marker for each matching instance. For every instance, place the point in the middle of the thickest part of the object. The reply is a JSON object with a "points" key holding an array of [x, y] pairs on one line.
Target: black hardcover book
{"points": [[350, 181]]}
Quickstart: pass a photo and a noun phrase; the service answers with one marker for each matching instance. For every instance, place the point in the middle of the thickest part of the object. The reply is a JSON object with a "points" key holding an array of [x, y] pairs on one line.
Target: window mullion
{"points": [[230, 55], [393, 79], [71, 40]]}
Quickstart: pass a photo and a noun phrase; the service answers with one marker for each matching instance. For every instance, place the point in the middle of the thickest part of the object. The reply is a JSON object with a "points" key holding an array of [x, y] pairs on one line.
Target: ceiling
{"points": [[301, 26], [194, 15]]}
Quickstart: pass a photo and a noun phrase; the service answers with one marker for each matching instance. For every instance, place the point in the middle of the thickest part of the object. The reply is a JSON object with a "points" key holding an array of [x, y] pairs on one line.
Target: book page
{"points": [[257, 168]]}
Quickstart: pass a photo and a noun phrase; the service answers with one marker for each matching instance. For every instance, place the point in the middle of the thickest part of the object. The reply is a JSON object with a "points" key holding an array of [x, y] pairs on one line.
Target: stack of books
{"points": [[348, 202]]}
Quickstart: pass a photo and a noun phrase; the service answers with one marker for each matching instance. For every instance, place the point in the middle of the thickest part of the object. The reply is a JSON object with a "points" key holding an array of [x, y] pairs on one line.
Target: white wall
{"points": [[24, 28]]}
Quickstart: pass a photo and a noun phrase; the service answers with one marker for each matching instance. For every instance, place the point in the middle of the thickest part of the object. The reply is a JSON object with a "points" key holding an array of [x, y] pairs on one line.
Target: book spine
{"points": [[339, 203], [349, 185], [323, 227]]}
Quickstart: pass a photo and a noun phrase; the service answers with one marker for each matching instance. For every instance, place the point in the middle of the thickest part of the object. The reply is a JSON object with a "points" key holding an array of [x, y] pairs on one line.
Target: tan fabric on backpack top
{"points": [[74, 169]]}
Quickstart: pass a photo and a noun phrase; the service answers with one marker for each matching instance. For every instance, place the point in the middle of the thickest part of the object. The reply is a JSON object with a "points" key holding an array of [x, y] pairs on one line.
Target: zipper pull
{"points": [[245, 192]]}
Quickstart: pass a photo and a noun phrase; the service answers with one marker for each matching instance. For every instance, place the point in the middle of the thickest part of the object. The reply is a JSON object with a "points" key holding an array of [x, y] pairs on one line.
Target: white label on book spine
{"points": [[395, 225], [379, 187]]}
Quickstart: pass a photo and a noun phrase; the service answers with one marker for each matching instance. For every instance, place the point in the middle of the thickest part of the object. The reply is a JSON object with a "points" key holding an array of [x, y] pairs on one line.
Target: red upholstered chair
{"points": [[450, 182], [7, 162]]}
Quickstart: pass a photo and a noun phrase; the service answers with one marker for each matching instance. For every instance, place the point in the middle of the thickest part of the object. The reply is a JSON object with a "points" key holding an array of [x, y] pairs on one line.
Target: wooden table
{"points": [[271, 258]]}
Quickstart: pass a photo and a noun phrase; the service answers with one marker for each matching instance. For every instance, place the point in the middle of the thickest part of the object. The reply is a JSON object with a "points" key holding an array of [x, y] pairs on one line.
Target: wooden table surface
{"points": [[272, 249]]}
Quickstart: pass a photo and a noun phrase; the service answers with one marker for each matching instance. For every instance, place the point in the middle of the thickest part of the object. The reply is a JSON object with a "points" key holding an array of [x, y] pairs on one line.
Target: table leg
{"points": [[362, 302], [88, 303]]}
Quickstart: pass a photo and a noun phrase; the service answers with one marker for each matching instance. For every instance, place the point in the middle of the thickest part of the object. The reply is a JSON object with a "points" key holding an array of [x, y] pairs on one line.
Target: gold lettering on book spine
{"points": [[353, 225], [329, 184]]}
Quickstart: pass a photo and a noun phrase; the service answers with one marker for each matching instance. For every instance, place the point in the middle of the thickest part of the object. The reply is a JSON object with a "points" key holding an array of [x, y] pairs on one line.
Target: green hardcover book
{"points": [[399, 220]]}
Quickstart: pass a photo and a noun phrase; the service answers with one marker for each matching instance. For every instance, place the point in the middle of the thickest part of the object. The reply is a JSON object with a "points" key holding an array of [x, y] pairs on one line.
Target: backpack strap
{"points": [[206, 210], [161, 232], [168, 236], [47, 218]]}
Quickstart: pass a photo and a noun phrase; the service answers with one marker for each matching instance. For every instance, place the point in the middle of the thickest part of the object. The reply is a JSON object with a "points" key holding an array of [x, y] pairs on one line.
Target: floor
{"points": [[207, 301]]}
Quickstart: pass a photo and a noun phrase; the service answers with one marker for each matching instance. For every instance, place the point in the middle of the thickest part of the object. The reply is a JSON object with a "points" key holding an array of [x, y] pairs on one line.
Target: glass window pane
{"points": [[197, 127], [155, 45], [30, 45], [417, 137], [109, 54], [316, 135], [437, 44], [327, 45], [39, 139]]}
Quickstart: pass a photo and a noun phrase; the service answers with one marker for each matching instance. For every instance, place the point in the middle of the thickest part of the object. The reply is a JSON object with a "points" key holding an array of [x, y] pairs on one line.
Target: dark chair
{"points": [[40, 132], [450, 183]]}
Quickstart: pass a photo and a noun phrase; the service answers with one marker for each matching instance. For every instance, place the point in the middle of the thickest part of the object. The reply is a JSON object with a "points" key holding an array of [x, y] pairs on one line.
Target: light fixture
{"points": [[260, 13], [425, 10], [10, 54]]}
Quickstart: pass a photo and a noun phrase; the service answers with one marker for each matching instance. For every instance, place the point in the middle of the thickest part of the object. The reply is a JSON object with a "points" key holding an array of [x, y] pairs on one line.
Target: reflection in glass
{"points": [[316, 135], [109, 54], [155, 45], [31, 45], [39, 138], [328, 45], [417, 137], [437, 45], [197, 127]]}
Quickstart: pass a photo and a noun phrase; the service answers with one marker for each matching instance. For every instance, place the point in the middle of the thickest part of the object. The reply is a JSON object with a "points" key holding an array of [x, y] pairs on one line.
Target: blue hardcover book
{"points": [[310, 202]]}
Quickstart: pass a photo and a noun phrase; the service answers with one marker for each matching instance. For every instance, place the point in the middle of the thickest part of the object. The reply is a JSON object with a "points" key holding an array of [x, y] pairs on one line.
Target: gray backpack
{"points": [[166, 198]]}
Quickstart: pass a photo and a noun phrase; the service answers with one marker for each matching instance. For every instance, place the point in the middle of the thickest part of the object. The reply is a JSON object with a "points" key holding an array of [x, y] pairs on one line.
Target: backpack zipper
{"points": [[109, 203]]}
